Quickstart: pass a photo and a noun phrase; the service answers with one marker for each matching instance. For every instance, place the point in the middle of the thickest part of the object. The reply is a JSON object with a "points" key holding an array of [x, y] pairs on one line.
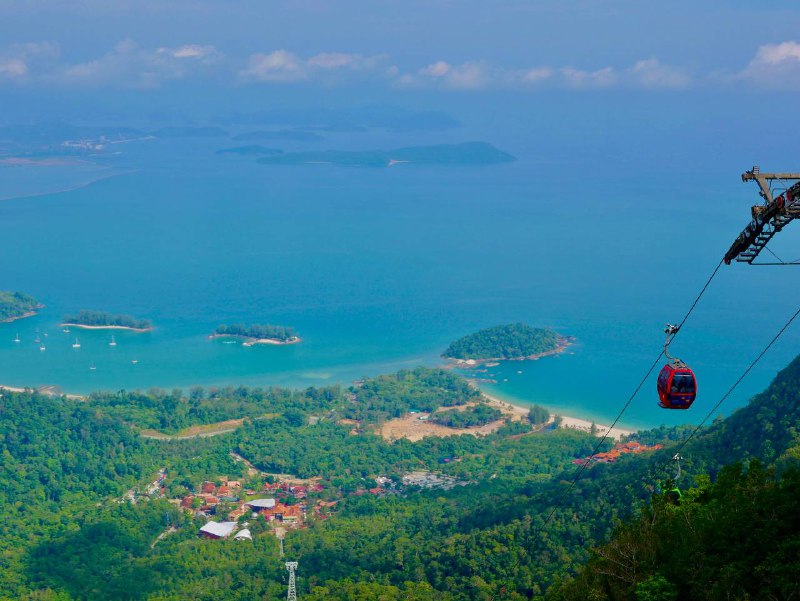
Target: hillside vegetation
{"points": [[16, 304], [67, 532]]}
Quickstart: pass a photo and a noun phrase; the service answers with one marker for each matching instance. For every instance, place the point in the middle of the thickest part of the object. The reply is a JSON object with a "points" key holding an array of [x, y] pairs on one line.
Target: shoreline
{"points": [[250, 341], [45, 390], [23, 316], [564, 342], [567, 422], [85, 327]]}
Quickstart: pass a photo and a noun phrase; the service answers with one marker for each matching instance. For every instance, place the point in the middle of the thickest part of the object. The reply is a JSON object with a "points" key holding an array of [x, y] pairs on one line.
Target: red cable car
{"points": [[677, 386]]}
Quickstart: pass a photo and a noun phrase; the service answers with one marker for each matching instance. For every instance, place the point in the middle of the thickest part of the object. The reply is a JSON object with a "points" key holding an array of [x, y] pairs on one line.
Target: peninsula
{"points": [[16, 305], [514, 342], [100, 320], [467, 153], [258, 334]]}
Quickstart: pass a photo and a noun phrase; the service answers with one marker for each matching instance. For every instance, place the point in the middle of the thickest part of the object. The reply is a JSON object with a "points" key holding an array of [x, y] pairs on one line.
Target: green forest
{"points": [[257, 331], [69, 530], [101, 318], [16, 304], [511, 341]]}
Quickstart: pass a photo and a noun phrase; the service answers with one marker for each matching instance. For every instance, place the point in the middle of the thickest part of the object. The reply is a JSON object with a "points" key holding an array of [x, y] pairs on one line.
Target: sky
{"points": [[414, 51]]}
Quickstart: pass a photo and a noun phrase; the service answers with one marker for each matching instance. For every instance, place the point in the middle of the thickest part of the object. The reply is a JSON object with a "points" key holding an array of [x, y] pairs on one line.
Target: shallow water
{"points": [[379, 269]]}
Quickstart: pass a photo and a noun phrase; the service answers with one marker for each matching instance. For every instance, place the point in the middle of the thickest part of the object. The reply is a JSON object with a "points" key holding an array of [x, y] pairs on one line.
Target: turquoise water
{"points": [[379, 269]]}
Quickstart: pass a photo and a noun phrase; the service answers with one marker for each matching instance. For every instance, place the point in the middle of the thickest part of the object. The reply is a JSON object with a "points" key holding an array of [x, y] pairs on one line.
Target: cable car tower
{"points": [[781, 194], [292, 595]]}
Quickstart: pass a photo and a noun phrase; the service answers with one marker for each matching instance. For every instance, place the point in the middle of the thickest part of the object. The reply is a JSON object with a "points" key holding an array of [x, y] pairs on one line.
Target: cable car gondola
{"points": [[677, 385]]}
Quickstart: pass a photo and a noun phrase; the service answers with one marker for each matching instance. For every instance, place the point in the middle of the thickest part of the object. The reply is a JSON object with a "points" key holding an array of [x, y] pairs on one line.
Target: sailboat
{"points": [[42, 347], [113, 342], [134, 361], [76, 344], [17, 338], [92, 366]]}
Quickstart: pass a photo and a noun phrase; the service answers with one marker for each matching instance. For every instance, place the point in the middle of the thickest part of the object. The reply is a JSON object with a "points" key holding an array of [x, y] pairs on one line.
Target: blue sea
{"points": [[379, 269]]}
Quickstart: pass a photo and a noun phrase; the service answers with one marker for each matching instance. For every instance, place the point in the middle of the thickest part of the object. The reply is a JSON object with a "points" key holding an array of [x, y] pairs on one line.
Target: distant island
{"points": [[254, 149], [102, 320], [16, 305], [467, 153], [258, 334], [515, 341], [291, 135], [190, 132]]}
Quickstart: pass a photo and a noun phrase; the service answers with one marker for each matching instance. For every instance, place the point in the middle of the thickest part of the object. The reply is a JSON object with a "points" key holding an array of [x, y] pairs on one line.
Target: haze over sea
{"points": [[599, 230]]}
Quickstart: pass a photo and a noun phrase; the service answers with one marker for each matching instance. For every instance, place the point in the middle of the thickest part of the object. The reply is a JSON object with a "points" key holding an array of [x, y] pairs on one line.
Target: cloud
{"points": [[129, 66], [774, 66], [651, 73], [471, 75], [277, 66], [18, 60], [282, 66], [578, 78]]}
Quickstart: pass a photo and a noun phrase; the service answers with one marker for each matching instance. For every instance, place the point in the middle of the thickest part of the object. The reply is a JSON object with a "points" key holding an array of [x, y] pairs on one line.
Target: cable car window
{"points": [[682, 383]]}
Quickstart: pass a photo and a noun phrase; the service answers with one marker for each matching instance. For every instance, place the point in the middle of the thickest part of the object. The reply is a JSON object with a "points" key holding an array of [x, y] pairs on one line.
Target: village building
{"points": [[217, 529], [243, 534], [260, 504]]}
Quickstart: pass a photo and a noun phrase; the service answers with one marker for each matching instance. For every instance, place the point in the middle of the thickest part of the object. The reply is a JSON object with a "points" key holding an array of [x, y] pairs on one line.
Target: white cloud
{"points": [[578, 78], [17, 61], [536, 75], [651, 73], [774, 66], [129, 66], [190, 51], [283, 66], [437, 69], [13, 67], [279, 66]]}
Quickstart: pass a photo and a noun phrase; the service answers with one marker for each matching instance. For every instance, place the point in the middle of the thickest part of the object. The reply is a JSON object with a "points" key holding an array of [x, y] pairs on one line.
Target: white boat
{"points": [[65, 330], [92, 367], [134, 361], [17, 338], [113, 342], [42, 347], [76, 344]]}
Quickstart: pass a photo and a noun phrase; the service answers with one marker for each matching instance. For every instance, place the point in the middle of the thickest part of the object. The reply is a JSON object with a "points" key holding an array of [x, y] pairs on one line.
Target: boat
{"points": [[17, 338], [134, 361], [113, 342], [42, 347], [65, 330], [76, 344], [92, 367]]}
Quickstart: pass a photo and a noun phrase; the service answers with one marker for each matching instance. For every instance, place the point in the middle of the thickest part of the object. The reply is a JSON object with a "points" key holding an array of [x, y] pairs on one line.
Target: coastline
{"points": [[248, 341], [573, 423], [23, 316], [46, 390], [85, 327]]}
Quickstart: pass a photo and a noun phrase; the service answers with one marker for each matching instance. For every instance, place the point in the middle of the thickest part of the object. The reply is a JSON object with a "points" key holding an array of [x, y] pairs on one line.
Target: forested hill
{"points": [[68, 531], [736, 530]]}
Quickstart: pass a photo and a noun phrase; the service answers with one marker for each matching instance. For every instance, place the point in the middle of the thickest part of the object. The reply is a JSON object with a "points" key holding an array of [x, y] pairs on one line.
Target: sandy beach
{"points": [[252, 341], [574, 423], [85, 327], [48, 390]]}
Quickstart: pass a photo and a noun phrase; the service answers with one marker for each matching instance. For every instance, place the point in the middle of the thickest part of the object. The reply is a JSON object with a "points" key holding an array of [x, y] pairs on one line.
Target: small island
{"points": [[17, 305], [258, 334], [515, 342], [251, 150], [100, 320]]}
